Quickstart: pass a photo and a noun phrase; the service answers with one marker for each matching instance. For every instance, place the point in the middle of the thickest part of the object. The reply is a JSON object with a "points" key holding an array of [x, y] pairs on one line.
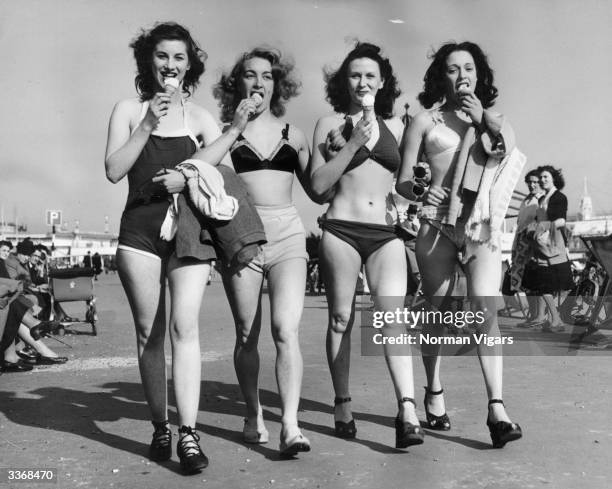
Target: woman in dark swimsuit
{"points": [[357, 156], [147, 137], [267, 153]]}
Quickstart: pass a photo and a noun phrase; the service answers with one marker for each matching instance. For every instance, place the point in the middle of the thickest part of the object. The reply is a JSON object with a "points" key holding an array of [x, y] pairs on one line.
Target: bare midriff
{"points": [[364, 195], [269, 187]]}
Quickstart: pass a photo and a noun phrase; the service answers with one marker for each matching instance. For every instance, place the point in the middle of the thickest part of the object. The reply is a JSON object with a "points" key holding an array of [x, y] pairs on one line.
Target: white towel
{"points": [[207, 191], [494, 194]]}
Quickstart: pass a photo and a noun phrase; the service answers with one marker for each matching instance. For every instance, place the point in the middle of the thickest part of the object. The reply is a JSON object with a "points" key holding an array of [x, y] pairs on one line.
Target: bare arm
{"points": [[412, 153], [327, 167], [123, 148], [216, 144], [205, 127], [217, 151], [303, 175]]}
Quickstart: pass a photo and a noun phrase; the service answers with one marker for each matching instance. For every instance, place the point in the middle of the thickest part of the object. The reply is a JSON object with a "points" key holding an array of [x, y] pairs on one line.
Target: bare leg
{"points": [[243, 289], [143, 279], [187, 281], [551, 303], [532, 302], [29, 320], [484, 273], [437, 258], [10, 354], [340, 265], [541, 308], [286, 281], [39, 346], [386, 274]]}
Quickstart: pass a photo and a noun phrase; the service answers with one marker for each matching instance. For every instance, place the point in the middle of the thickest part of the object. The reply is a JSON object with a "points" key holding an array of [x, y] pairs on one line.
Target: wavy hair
{"points": [[532, 173], [337, 87], [435, 86], [144, 46], [286, 86], [556, 173]]}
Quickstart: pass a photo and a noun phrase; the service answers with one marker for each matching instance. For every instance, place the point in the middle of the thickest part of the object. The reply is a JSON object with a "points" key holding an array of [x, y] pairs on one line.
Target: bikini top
{"points": [[440, 138], [385, 152], [246, 158]]}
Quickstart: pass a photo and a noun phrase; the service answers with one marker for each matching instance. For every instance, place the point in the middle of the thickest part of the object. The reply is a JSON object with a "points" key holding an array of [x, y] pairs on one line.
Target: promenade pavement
{"points": [[88, 419]]}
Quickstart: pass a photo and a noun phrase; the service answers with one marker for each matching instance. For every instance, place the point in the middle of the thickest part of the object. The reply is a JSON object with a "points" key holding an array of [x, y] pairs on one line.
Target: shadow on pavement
{"points": [[77, 412]]}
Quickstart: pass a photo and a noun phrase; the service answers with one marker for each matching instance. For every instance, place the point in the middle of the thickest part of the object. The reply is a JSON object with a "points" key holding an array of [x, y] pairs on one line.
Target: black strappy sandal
{"points": [[160, 449], [435, 422], [406, 433], [190, 454], [501, 431], [342, 429]]}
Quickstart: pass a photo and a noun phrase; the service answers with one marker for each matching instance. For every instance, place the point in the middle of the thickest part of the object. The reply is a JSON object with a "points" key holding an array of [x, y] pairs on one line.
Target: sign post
{"points": [[54, 218]]}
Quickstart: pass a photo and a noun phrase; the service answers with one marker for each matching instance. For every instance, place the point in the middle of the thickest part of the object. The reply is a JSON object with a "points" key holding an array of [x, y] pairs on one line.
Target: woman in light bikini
{"points": [[459, 87]]}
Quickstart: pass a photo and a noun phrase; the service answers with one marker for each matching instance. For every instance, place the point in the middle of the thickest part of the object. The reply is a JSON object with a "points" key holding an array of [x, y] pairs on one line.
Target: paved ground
{"points": [[88, 418]]}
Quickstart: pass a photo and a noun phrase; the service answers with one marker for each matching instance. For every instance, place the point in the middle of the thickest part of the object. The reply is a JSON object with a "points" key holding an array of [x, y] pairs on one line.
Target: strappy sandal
{"points": [[253, 435], [160, 449], [501, 431], [435, 422], [406, 433], [190, 454], [290, 448], [344, 429]]}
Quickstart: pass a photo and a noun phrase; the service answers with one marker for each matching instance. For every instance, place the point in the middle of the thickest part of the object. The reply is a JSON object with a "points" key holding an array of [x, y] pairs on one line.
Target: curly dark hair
{"points": [[532, 173], [144, 45], [286, 86], [435, 86], [557, 175], [337, 87]]}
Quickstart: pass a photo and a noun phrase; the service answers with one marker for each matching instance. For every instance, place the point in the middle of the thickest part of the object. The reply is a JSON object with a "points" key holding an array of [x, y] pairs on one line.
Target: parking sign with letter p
{"points": [[54, 218]]}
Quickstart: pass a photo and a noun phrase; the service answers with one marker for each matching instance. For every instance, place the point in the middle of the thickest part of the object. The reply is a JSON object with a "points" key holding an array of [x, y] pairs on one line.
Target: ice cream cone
{"points": [[171, 84], [367, 105]]}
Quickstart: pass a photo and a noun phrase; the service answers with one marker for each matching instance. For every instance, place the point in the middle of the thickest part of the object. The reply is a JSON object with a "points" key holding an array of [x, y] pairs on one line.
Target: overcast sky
{"points": [[65, 64]]}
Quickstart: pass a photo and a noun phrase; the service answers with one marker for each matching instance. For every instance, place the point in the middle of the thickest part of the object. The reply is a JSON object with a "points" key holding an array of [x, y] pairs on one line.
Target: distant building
{"points": [[586, 204], [12, 228], [69, 244]]}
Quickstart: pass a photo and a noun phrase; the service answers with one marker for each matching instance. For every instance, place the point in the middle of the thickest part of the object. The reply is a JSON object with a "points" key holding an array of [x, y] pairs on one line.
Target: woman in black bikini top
{"points": [[284, 156], [266, 153], [356, 154]]}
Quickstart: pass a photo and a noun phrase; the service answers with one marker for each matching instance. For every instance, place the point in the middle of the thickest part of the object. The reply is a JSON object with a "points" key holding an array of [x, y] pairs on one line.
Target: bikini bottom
{"points": [[365, 237]]}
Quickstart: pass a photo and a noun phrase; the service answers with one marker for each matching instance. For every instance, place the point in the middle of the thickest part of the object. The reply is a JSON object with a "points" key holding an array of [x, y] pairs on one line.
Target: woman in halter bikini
{"points": [[267, 153], [459, 82], [356, 155], [147, 137]]}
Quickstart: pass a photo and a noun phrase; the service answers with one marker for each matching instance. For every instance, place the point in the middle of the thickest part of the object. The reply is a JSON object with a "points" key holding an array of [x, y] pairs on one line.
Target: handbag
{"points": [[549, 240]]}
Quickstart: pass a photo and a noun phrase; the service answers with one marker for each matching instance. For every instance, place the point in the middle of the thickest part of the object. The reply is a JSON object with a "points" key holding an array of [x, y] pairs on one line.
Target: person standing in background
{"points": [[522, 252]]}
